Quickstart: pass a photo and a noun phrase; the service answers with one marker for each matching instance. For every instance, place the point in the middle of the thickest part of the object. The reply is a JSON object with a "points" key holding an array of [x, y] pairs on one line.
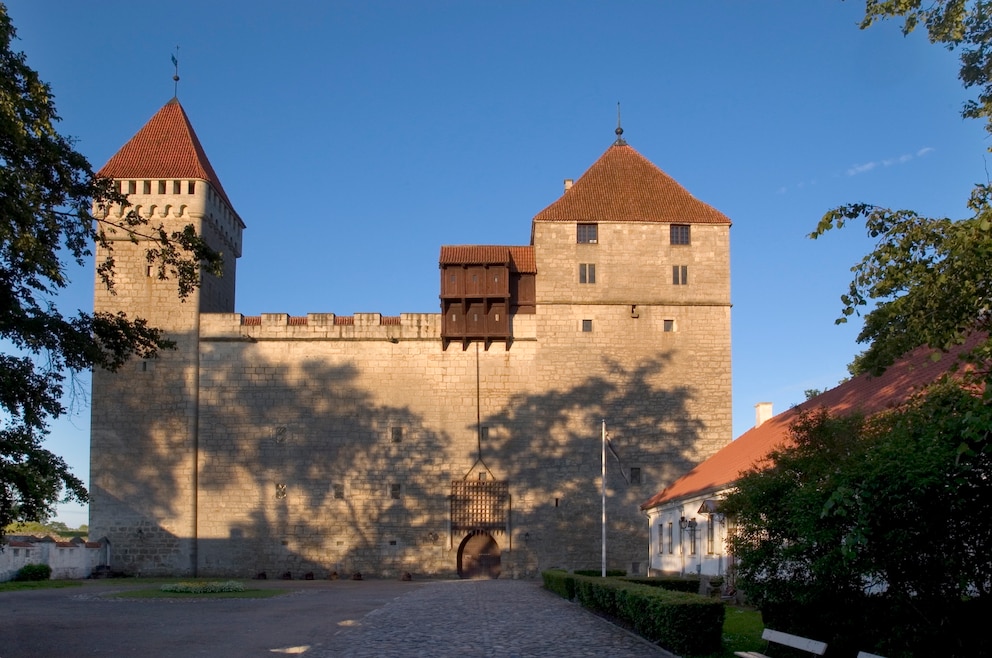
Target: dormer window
{"points": [[587, 233]]}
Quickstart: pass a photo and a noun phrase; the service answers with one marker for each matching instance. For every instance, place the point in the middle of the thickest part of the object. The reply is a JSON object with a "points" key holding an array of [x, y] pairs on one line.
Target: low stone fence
{"points": [[71, 559]]}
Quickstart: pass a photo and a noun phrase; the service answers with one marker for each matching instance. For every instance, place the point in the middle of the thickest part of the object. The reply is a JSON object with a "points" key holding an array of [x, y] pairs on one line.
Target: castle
{"points": [[461, 442]]}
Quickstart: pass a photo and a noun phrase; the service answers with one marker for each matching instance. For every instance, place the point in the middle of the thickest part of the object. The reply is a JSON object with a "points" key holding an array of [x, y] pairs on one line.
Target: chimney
{"points": [[762, 412], [568, 184]]}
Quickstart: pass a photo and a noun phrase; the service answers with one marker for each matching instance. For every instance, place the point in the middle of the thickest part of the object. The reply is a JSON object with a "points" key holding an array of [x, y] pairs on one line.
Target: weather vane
{"points": [[619, 131], [175, 77]]}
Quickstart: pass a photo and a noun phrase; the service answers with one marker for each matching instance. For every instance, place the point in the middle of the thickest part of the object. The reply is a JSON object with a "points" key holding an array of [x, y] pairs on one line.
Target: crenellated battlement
{"points": [[320, 326]]}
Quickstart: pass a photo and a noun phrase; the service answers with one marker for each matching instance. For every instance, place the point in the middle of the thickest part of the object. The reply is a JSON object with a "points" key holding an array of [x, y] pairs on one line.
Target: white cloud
{"points": [[854, 170]]}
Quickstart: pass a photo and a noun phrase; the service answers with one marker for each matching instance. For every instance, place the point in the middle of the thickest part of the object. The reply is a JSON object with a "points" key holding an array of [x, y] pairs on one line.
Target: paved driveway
{"points": [[317, 619]]}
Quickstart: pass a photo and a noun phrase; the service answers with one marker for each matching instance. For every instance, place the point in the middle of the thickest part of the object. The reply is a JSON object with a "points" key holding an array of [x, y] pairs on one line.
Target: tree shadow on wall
{"points": [[301, 471], [549, 447]]}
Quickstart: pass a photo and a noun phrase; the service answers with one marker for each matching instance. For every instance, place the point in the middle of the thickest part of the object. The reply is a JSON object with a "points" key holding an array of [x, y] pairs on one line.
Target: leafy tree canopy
{"points": [[928, 280], [46, 194], [897, 506]]}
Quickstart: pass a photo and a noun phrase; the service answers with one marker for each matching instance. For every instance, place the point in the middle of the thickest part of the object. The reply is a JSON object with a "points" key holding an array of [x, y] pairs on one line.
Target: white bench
{"points": [[865, 654], [777, 637]]}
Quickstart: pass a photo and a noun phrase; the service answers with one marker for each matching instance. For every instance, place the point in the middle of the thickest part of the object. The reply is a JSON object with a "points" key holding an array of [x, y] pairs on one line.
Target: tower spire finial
{"points": [[175, 77], [619, 131]]}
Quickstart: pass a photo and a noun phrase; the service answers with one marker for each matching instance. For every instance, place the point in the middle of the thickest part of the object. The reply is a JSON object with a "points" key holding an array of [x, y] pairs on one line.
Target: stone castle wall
{"points": [[330, 443]]}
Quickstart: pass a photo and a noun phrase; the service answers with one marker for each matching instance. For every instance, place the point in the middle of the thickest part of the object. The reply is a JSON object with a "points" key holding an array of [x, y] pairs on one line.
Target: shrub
{"points": [[34, 572], [671, 583]]}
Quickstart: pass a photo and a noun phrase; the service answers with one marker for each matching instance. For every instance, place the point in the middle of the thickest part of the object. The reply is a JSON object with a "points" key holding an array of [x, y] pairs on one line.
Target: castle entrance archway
{"points": [[479, 556]]}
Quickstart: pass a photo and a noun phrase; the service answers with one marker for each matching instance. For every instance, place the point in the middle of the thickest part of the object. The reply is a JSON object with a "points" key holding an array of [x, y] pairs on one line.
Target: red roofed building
{"points": [[687, 532], [464, 441]]}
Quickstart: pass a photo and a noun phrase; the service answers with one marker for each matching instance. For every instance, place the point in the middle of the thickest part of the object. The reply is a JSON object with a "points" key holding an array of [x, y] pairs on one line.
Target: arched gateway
{"points": [[479, 556]]}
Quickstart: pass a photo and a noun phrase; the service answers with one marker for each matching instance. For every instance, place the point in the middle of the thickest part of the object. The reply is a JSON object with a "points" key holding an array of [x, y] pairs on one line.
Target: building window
{"points": [[176, 187], [280, 491], [146, 187], [191, 187], [339, 492], [635, 567], [710, 536], [484, 433], [17, 552], [669, 326], [394, 491], [132, 186], [680, 275], [587, 233], [161, 187], [680, 234], [396, 433], [587, 325], [692, 541], [671, 538], [635, 475], [587, 273]]}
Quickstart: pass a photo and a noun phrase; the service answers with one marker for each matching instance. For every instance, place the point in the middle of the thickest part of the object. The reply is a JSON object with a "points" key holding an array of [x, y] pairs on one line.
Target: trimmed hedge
{"points": [[680, 622], [598, 573], [675, 583]]}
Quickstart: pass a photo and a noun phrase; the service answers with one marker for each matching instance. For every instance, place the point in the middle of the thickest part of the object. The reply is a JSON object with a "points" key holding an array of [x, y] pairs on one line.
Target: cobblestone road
{"points": [[315, 619], [484, 618]]}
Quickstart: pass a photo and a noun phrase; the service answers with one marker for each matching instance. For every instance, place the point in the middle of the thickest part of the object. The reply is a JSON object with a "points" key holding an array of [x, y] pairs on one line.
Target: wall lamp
{"points": [[687, 525]]}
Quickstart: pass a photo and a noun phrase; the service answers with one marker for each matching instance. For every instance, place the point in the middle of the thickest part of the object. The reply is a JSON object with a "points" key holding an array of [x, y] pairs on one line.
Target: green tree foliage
{"points": [[928, 280], [46, 194], [885, 520]]}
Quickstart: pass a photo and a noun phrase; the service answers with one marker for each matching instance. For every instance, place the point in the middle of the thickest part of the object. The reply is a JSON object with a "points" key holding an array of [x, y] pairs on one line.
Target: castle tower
{"points": [[143, 478], [633, 319]]}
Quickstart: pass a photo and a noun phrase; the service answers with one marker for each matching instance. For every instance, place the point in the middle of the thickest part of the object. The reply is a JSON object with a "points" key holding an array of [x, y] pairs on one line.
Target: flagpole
{"points": [[604, 499]]}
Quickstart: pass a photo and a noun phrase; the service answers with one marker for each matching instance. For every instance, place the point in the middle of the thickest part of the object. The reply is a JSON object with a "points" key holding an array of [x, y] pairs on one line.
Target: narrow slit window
{"points": [[146, 187], [176, 189], [161, 187], [397, 434], [191, 187]]}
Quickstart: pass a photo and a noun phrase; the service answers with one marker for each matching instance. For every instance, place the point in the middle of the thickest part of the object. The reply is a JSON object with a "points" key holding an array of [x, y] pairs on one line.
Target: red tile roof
{"points": [[520, 259], [624, 186], [165, 148], [862, 394]]}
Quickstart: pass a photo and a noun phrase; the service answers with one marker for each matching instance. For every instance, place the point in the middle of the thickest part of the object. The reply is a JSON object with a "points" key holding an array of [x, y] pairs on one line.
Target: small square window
{"points": [[669, 326], [680, 275], [339, 492], [680, 234], [587, 273], [394, 491], [587, 325], [587, 233], [482, 476], [396, 433]]}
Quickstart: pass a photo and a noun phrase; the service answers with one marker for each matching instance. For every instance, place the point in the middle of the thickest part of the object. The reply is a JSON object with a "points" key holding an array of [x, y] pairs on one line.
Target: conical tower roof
{"points": [[624, 186], [165, 148]]}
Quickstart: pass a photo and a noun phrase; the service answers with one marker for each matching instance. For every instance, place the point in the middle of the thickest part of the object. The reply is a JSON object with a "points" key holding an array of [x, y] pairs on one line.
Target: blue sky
{"points": [[354, 132]]}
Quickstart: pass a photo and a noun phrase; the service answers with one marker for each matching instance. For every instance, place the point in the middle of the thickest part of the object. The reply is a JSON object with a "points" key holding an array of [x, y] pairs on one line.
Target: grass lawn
{"points": [[741, 632], [16, 586]]}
